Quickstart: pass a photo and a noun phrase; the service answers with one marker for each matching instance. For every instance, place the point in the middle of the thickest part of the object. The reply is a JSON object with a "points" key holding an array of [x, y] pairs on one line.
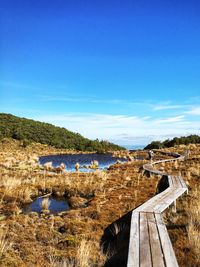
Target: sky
{"points": [[124, 71]]}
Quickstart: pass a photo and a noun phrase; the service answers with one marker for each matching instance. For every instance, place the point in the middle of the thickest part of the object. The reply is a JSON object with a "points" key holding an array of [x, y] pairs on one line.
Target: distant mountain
{"points": [[30, 131], [184, 140]]}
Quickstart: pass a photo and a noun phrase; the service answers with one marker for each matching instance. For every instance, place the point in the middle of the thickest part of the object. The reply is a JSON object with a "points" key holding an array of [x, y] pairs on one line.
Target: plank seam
{"points": [[176, 183], [160, 240]]}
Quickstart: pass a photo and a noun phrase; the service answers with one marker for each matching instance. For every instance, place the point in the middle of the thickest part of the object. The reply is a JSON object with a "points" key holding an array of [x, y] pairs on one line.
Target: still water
{"points": [[104, 160], [56, 205]]}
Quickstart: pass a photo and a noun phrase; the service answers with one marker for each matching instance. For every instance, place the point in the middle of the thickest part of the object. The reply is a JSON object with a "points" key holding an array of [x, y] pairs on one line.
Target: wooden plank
{"points": [[182, 182], [174, 194], [150, 202], [166, 160], [178, 181], [165, 203], [170, 181], [145, 251], [158, 200], [175, 181], [170, 200], [149, 167], [169, 255], [133, 253], [149, 244], [178, 192], [156, 250]]}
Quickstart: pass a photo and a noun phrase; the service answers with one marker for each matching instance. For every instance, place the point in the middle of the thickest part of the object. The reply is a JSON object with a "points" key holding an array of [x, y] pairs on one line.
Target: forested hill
{"points": [[184, 140], [30, 131]]}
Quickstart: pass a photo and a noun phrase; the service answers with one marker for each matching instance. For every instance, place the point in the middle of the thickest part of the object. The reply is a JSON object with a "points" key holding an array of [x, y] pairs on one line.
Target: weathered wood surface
{"points": [[156, 248], [168, 252], [133, 254], [149, 242], [144, 245]]}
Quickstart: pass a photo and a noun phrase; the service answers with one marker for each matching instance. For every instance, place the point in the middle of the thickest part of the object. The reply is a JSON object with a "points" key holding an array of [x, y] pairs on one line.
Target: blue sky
{"points": [[125, 71]]}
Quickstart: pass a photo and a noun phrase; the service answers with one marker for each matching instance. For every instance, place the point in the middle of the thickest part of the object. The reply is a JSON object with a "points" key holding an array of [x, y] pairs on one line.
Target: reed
{"points": [[193, 228], [5, 245], [45, 204]]}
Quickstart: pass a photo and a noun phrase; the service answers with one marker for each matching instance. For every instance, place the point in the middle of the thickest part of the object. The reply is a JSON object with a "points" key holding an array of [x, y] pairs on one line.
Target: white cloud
{"points": [[171, 120], [123, 129], [194, 111], [87, 121], [167, 107]]}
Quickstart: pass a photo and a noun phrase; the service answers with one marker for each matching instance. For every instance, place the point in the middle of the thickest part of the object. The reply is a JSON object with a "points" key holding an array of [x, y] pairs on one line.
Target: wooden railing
{"points": [[149, 242]]}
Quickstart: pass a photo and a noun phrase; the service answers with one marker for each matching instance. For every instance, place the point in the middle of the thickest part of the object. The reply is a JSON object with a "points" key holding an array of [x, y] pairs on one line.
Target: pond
{"points": [[70, 160], [56, 205]]}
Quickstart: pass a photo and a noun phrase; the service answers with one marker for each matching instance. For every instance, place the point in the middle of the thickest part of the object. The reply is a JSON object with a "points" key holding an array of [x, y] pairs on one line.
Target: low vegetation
{"points": [[193, 227], [183, 224], [96, 200], [28, 131], [185, 140], [72, 238]]}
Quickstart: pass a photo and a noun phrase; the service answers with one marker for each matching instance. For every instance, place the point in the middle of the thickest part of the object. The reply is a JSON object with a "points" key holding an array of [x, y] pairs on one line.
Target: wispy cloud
{"points": [[121, 128], [171, 120], [81, 99], [91, 119], [165, 119], [167, 107], [194, 111]]}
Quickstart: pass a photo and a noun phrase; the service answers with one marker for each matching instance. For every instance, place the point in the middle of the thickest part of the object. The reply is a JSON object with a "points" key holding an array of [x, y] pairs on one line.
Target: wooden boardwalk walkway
{"points": [[149, 242]]}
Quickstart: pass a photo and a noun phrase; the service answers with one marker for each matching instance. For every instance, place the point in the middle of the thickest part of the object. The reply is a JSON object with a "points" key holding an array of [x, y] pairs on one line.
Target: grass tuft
{"points": [[5, 245], [45, 204]]}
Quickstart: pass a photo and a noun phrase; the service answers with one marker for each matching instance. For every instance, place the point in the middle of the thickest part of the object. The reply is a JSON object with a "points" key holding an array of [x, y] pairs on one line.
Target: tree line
{"points": [[29, 131], [184, 140]]}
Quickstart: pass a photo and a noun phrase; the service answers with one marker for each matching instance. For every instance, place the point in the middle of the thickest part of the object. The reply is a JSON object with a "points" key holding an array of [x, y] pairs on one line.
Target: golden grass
{"points": [[5, 245], [9, 183], [84, 253], [184, 225], [45, 203], [86, 256], [108, 194], [193, 228], [194, 170]]}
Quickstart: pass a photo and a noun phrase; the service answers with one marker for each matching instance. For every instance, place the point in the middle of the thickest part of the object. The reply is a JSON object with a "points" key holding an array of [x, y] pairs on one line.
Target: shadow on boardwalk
{"points": [[115, 240]]}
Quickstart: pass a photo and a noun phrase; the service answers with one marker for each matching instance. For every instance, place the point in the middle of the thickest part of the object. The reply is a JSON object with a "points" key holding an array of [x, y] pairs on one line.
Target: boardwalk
{"points": [[149, 243]]}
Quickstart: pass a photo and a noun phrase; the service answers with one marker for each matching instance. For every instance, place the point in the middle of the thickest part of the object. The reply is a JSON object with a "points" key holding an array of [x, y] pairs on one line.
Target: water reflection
{"points": [[84, 160], [56, 205]]}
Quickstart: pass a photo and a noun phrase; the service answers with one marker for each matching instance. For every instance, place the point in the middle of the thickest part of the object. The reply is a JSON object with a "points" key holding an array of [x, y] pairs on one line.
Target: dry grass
{"points": [[86, 256], [45, 204], [5, 245], [9, 183], [108, 195], [25, 194], [184, 226], [193, 228], [194, 170]]}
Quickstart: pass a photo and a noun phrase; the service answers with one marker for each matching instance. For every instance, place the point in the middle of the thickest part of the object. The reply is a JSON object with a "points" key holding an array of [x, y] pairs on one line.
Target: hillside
{"points": [[184, 140], [29, 131]]}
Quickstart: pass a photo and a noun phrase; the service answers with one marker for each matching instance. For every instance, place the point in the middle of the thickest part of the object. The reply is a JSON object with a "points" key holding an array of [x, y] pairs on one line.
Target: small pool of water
{"points": [[56, 205], [104, 160]]}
